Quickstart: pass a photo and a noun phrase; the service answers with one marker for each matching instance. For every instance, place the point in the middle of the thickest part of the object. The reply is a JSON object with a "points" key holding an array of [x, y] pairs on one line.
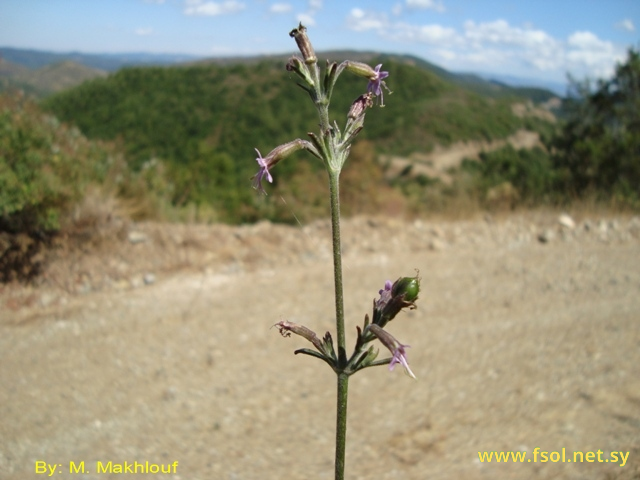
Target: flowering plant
{"points": [[332, 146]]}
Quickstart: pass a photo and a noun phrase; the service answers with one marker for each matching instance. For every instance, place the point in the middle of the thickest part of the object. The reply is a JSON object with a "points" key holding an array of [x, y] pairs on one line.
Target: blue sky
{"points": [[537, 39]]}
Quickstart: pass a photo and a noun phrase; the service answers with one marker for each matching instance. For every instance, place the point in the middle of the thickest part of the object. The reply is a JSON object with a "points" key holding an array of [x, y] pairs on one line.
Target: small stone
{"points": [[149, 279], [137, 237], [566, 221]]}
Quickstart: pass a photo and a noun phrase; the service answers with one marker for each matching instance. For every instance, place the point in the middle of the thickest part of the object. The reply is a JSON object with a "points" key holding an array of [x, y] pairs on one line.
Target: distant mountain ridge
{"points": [[109, 62], [482, 84], [43, 81]]}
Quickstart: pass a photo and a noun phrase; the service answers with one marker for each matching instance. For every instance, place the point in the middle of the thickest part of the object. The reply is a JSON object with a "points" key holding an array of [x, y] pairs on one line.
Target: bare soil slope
{"points": [[159, 349]]}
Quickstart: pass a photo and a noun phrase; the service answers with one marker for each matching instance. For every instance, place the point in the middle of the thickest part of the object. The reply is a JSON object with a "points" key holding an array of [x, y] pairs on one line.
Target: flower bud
{"points": [[296, 65], [304, 45]]}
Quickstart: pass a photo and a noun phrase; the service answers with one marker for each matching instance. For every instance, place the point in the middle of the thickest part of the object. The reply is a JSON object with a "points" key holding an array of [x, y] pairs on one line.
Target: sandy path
{"points": [[438, 162], [516, 345]]}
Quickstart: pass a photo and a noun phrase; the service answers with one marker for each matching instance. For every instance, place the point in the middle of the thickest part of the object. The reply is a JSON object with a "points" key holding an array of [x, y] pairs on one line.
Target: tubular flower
{"points": [[274, 156], [376, 82], [263, 172], [400, 356], [397, 349]]}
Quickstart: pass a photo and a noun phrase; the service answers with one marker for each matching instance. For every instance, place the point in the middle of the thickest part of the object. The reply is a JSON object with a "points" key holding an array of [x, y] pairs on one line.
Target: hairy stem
{"points": [[343, 378], [337, 262], [341, 424]]}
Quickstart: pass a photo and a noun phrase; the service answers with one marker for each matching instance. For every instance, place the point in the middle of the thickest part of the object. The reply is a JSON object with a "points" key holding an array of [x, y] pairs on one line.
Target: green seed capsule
{"points": [[409, 286]]}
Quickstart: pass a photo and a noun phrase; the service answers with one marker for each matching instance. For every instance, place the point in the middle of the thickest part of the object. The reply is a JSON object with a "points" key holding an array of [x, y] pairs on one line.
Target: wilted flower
{"points": [[385, 295], [286, 328], [304, 45], [324, 346], [359, 106]]}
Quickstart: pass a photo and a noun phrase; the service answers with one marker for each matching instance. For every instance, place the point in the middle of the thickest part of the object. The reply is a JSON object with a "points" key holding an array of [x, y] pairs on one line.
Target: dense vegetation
{"points": [[204, 122], [598, 149], [176, 142], [48, 171], [595, 153]]}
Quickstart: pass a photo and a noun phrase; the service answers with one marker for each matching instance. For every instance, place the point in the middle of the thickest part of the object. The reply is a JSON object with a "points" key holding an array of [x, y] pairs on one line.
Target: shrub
{"points": [[45, 171], [599, 148]]}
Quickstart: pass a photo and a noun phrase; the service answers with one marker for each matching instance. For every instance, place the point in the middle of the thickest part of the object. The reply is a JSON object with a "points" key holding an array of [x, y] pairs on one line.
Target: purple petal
{"points": [[263, 172], [375, 83], [400, 356]]}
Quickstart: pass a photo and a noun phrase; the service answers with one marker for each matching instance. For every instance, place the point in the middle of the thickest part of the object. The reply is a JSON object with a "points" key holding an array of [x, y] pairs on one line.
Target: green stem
{"points": [[322, 104], [341, 424], [343, 378], [337, 262]]}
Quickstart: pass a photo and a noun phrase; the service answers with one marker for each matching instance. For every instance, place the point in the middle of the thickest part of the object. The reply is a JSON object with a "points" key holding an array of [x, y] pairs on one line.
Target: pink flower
{"points": [[275, 155], [397, 349], [400, 356], [263, 172]]}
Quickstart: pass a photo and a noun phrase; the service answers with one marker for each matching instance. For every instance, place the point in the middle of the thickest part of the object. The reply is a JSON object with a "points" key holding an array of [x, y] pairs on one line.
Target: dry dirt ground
{"points": [[158, 348]]}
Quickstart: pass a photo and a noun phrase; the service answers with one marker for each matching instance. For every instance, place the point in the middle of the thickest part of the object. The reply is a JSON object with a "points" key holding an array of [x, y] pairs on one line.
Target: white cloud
{"points": [[426, 5], [306, 19], [200, 7], [626, 24], [501, 33], [159, 2], [587, 40], [435, 35], [495, 46], [361, 21], [280, 8], [143, 31], [586, 52]]}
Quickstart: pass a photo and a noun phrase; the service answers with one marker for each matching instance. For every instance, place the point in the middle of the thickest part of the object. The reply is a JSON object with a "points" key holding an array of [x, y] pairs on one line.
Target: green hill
{"points": [[167, 112], [205, 120]]}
